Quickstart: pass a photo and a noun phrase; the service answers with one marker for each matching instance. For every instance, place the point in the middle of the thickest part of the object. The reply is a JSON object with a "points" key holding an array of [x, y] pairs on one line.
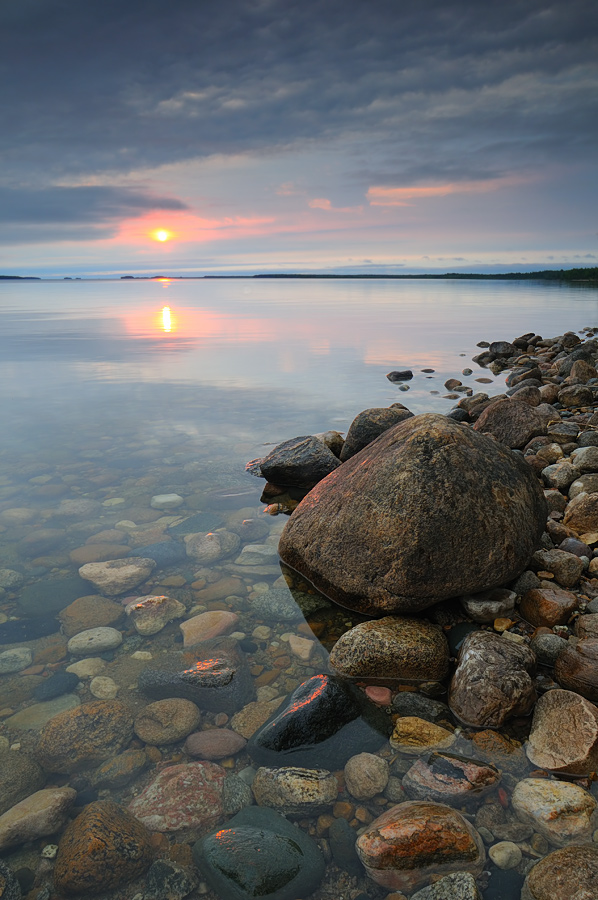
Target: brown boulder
{"points": [[92, 611], [430, 510], [102, 848], [564, 734], [492, 681], [512, 422], [576, 668], [411, 842]]}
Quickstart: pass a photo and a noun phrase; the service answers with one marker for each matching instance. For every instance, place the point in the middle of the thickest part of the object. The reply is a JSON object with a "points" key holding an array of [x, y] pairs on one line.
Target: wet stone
{"points": [[458, 886], [48, 597], [492, 681], [413, 841], [291, 864], [547, 606], [369, 425], [559, 811], [212, 546], [301, 462], [94, 641], [216, 743], [166, 721], [410, 703], [14, 632], [104, 847], [489, 605], [219, 681], [41, 813], [324, 722], [391, 649], [166, 880], [34, 718], [55, 686], [20, 776], [183, 796], [207, 625], [15, 660], [294, 791], [163, 553], [84, 736], [569, 872], [414, 736], [91, 611], [564, 734], [366, 775], [341, 838], [117, 576], [151, 614], [120, 770], [282, 605], [576, 668], [447, 778]]}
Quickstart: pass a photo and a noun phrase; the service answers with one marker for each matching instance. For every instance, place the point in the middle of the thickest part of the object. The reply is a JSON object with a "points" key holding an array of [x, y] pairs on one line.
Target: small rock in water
{"points": [[42, 813], [183, 796], [560, 812], [570, 872], [295, 791], [15, 660], [207, 625], [564, 734], [458, 886], [167, 721], [400, 375], [119, 575], [366, 775], [217, 743], [103, 688], [94, 640], [55, 686], [85, 736], [166, 501], [166, 880], [151, 614]]}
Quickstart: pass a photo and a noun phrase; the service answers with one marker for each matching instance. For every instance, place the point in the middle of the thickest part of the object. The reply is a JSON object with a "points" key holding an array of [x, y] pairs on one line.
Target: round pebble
{"points": [[505, 855], [94, 640], [103, 687]]}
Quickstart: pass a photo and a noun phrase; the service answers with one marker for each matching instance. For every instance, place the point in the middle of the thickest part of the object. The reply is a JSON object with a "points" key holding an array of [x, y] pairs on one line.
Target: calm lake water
{"points": [[117, 391]]}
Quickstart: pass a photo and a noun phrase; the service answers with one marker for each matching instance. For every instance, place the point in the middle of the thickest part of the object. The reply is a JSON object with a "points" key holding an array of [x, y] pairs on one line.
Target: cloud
{"points": [[397, 196], [324, 203]]}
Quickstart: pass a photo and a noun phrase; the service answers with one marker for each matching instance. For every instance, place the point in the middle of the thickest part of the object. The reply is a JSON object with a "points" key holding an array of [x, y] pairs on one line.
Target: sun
{"points": [[161, 235]]}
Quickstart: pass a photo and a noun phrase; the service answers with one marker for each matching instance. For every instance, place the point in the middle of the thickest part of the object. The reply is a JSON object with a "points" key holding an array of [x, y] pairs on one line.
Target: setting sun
{"points": [[161, 235]]}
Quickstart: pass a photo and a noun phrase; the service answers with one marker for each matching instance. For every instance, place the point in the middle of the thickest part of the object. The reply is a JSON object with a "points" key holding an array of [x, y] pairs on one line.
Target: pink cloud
{"points": [[397, 196]]}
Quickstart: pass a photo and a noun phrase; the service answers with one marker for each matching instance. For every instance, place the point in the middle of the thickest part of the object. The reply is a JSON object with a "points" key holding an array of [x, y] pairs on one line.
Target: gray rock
{"points": [[457, 886], [409, 703], [489, 605], [280, 605], [38, 815], [511, 422], [236, 795], [115, 576], [11, 889], [52, 595], [20, 776], [94, 641], [166, 880], [547, 647], [15, 660], [295, 791]]}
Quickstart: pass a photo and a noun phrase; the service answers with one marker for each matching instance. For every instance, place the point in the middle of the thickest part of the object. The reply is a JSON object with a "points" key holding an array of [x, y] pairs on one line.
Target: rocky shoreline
{"points": [[177, 703]]}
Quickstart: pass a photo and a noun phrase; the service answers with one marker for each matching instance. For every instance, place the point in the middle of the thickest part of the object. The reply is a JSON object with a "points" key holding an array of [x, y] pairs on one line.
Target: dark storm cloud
{"points": [[116, 84]]}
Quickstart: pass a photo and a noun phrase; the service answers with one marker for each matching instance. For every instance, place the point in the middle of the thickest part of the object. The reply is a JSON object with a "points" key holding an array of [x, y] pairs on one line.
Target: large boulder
{"points": [[430, 510]]}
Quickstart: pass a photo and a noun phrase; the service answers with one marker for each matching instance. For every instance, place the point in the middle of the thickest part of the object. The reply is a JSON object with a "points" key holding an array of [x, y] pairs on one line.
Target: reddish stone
{"points": [[188, 795], [548, 606], [216, 743]]}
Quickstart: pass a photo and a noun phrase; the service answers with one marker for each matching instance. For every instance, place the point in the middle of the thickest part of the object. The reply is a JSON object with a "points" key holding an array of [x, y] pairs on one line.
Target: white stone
{"points": [[261, 632], [94, 640], [87, 668], [103, 688], [166, 501], [15, 660], [301, 647], [561, 812], [114, 501], [141, 654]]}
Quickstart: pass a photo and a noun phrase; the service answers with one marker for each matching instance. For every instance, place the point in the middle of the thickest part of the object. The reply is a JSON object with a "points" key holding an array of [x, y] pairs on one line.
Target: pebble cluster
{"points": [[169, 701]]}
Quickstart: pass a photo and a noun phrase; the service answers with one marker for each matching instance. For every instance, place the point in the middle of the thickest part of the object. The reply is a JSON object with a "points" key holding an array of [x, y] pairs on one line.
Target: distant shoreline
{"points": [[588, 275]]}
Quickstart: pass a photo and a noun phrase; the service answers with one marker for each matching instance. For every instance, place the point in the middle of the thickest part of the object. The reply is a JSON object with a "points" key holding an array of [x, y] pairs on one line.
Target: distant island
{"points": [[582, 274]]}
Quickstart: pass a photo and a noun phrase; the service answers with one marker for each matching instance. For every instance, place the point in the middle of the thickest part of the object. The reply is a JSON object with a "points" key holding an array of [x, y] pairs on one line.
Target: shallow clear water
{"points": [[117, 391]]}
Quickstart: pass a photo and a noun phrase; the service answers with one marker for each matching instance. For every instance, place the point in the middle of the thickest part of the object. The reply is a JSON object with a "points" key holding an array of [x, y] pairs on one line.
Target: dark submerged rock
{"points": [[429, 511], [45, 598], [290, 863], [55, 686], [14, 632], [164, 553], [219, 681], [324, 723]]}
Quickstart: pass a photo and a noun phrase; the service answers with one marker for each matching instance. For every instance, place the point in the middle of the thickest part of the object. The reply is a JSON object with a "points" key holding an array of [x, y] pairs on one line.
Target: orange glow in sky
{"points": [[161, 235]]}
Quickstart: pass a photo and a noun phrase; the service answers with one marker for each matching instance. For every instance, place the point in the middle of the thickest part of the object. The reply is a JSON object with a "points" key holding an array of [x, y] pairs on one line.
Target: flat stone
{"points": [[38, 815], [34, 718], [20, 776], [167, 721], [323, 723], [85, 736], [94, 640], [183, 796], [97, 553], [151, 614], [413, 841], [224, 587], [569, 872], [116, 576], [413, 736], [103, 848], [216, 743], [91, 611], [87, 668], [295, 791], [564, 734], [446, 778], [409, 477], [291, 864], [15, 660], [207, 625], [257, 555], [166, 501], [489, 605], [492, 681], [391, 649], [458, 886], [559, 811]]}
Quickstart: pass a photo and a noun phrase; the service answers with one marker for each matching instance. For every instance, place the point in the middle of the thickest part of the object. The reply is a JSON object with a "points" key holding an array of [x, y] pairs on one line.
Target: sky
{"points": [[198, 137]]}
